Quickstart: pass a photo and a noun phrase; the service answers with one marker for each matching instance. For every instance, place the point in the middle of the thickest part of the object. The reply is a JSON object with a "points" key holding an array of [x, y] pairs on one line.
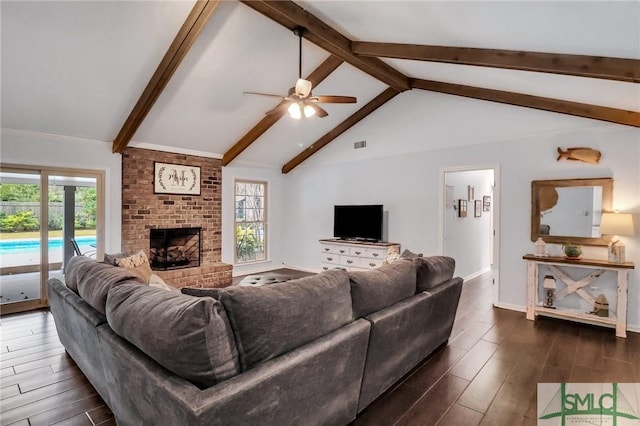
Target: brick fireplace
{"points": [[142, 210]]}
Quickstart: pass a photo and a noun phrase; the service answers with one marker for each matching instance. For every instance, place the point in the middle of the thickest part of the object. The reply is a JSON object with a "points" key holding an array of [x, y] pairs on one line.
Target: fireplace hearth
{"points": [[174, 248]]}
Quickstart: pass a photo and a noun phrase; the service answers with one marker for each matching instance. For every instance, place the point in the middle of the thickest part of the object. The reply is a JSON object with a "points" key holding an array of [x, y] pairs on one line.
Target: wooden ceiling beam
{"points": [[376, 103], [324, 69], [627, 70], [290, 15], [181, 44], [596, 112]]}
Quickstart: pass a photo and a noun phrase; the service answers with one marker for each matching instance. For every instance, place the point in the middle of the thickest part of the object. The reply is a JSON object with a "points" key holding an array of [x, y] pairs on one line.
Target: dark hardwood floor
{"points": [[487, 374]]}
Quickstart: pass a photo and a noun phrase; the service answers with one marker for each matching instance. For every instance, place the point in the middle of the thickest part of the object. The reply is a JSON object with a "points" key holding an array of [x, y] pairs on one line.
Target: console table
{"points": [[354, 255], [617, 320]]}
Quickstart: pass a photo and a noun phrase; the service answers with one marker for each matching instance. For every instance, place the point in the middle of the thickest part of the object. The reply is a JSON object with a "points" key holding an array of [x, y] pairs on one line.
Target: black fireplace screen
{"points": [[174, 248]]}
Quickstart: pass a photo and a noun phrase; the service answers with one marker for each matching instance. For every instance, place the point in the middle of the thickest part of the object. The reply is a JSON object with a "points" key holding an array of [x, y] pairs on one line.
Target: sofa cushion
{"points": [[433, 271], [382, 287], [95, 279], [270, 320], [188, 336], [73, 269]]}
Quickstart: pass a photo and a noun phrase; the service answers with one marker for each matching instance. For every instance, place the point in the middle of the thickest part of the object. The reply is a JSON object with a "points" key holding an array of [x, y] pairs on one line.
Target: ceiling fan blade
{"points": [[330, 99], [263, 94], [319, 111], [280, 109], [303, 87]]}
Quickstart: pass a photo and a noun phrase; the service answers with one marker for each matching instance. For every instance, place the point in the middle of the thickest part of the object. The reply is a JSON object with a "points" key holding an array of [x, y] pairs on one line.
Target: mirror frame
{"points": [[607, 201]]}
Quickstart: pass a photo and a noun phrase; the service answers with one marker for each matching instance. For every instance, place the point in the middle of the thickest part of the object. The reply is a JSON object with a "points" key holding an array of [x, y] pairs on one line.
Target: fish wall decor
{"points": [[586, 155]]}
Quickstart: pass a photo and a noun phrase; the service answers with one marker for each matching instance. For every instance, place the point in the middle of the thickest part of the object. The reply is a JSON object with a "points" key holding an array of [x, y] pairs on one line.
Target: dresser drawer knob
{"points": [[327, 249], [325, 268], [375, 254], [341, 251], [358, 253], [372, 264], [349, 262]]}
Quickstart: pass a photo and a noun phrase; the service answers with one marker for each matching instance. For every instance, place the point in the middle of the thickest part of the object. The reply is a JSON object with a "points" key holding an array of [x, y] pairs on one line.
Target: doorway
{"points": [[470, 221], [47, 216]]}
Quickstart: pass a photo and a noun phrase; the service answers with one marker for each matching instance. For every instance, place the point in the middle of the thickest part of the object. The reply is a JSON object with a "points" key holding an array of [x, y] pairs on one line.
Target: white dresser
{"points": [[354, 255]]}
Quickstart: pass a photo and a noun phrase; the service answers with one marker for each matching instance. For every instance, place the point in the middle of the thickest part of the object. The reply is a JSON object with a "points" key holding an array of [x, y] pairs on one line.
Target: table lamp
{"points": [[616, 224]]}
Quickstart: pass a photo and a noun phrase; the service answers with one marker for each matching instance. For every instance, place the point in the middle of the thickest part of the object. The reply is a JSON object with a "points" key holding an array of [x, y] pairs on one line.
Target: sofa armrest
{"points": [[410, 330], [317, 383], [58, 292], [76, 323]]}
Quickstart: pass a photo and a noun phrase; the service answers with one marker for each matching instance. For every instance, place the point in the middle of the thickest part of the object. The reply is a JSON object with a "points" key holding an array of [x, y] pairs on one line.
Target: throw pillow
{"points": [[376, 289], [136, 263], [433, 271], [111, 258]]}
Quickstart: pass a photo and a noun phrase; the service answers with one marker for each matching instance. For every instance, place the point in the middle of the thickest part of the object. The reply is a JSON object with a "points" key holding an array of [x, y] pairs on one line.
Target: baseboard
{"points": [[255, 268], [299, 268], [509, 306], [477, 274]]}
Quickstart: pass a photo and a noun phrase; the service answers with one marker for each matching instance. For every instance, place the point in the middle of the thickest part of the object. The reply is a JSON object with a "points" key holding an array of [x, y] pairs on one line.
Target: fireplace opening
{"points": [[174, 248]]}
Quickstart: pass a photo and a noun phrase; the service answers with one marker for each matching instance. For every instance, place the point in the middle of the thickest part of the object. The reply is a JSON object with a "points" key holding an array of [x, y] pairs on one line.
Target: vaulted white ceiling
{"points": [[77, 69]]}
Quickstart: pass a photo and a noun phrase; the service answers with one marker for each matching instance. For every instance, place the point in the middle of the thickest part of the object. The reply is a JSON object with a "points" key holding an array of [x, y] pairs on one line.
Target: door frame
{"points": [[495, 210], [45, 172]]}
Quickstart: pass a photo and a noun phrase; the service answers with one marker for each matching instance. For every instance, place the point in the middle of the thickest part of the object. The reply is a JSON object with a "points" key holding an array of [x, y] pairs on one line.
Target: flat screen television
{"points": [[360, 222]]}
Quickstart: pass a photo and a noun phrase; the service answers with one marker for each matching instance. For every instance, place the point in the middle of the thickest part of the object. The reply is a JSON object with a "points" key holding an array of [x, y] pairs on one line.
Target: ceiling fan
{"points": [[300, 102]]}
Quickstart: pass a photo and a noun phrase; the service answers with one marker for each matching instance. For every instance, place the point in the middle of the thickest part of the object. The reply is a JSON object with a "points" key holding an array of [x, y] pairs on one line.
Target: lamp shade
{"points": [[616, 224]]}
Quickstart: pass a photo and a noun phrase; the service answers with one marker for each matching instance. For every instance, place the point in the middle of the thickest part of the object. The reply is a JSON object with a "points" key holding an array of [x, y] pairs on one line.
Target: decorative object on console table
{"points": [[616, 224], [470, 192], [549, 285], [572, 251], [477, 211], [541, 247], [462, 208], [176, 179], [601, 306]]}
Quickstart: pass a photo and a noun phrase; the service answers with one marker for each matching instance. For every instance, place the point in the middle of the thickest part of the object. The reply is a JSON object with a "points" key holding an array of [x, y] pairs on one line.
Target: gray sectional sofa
{"points": [[315, 350]]}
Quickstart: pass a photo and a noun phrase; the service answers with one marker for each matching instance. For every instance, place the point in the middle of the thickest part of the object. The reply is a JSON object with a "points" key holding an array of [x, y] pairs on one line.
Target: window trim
{"points": [[265, 222]]}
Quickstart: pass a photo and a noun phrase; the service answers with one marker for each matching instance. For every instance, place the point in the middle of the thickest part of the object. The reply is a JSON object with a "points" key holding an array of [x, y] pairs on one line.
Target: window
{"points": [[250, 221]]}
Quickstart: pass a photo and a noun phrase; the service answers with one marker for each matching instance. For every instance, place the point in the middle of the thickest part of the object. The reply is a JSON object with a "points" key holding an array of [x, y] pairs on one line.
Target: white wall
{"points": [[39, 149], [468, 239], [408, 187], [276, 205]]}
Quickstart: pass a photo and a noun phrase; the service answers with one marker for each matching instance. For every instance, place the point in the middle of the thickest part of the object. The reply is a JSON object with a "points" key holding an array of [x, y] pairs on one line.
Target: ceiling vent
{"points": [[359, 144]]}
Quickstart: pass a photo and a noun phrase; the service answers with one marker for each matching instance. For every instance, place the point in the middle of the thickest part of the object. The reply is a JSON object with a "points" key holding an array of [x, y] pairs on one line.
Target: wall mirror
{"points": [[570, 210]]}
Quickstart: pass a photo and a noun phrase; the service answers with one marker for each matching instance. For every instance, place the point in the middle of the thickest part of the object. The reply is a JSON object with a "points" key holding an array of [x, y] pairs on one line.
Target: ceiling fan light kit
{"points": [[297, 109], [300, 101]]}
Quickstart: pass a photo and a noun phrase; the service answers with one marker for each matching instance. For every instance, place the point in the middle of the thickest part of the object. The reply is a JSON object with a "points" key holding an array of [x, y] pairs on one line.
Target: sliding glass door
{"points": [[46, 217]]}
